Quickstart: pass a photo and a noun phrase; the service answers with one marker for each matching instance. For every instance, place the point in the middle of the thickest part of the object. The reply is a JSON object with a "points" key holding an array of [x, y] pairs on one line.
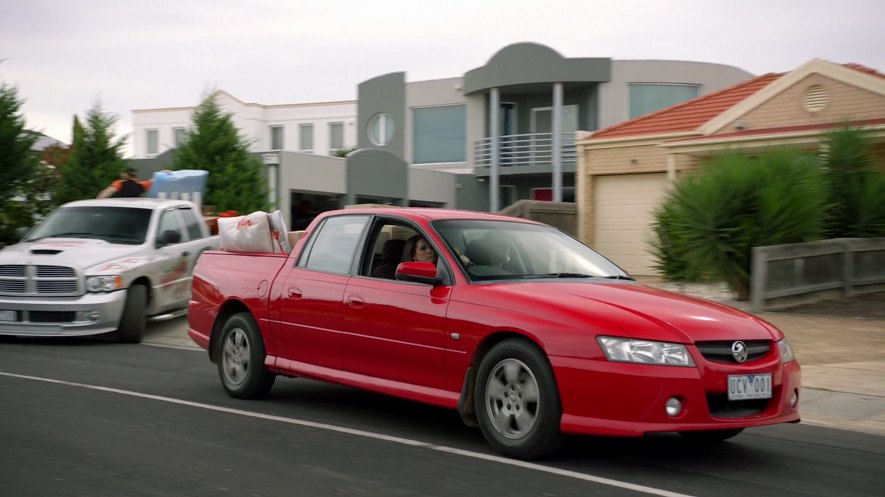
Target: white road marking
{"points": [[367, 434]]}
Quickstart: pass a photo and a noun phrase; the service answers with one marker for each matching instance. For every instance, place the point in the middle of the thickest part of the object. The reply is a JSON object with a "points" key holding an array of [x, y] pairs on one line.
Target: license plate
{"points": [[749, 386], [7, 316]]}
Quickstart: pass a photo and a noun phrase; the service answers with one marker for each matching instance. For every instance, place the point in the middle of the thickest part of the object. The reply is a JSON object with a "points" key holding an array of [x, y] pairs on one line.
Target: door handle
{"points": [[294, 293], [355, 302]]}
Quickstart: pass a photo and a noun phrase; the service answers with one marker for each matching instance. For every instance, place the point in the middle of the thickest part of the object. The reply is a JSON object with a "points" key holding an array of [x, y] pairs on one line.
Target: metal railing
{"points": [[531, 149]]}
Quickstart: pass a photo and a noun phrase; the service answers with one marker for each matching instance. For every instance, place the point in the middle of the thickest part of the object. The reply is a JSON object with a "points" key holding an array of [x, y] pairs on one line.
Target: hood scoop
{"points": [[46, 251]]}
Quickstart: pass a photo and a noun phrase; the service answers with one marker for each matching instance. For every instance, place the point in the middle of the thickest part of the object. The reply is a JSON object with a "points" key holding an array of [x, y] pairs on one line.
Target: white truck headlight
{"points": [[786, 351], [96, 284], [645, 351]]}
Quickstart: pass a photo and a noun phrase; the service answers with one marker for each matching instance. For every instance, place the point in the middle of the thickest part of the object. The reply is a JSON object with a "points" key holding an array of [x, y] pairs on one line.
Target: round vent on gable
{"points": [[816, 98]]}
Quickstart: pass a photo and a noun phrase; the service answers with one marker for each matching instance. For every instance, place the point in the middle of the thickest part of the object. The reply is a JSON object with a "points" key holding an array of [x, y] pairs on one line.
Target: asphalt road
{"points": [[90, 417]]}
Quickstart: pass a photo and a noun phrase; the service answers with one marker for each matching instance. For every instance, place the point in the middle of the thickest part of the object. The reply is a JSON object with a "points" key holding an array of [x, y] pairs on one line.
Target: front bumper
{"points": [[621, 399], [63, 316]]}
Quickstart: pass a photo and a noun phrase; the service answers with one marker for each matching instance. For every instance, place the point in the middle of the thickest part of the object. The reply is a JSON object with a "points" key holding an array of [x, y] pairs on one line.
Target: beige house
{"points": [[623, 171]]}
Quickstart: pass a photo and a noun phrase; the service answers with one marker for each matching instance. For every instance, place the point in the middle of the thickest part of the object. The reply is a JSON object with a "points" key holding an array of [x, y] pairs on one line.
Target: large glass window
{"points": [[646, 98], [336, 136], [305, 141], [276, 138], [153, 141], [439, 134]]}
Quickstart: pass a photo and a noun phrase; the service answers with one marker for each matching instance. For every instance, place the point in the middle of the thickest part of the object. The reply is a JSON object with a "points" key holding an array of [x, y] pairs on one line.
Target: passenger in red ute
{"points": [[420, 250]]}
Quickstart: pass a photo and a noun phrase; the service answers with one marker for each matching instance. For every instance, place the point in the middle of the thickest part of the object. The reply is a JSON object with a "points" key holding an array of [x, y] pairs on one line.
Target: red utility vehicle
{"points": [[524, 330]]}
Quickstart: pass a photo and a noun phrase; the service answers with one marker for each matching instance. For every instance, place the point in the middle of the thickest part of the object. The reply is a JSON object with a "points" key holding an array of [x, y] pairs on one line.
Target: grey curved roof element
{"points": [[524, 66]]}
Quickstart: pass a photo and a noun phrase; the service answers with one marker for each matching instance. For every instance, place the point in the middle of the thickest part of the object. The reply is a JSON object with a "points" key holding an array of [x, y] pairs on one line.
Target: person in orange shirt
{"points": [[127, 186]]}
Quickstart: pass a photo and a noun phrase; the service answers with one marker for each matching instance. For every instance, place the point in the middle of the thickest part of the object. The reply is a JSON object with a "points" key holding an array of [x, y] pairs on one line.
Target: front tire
{"points": [[517, 401], [134, 320], [241, 359]]}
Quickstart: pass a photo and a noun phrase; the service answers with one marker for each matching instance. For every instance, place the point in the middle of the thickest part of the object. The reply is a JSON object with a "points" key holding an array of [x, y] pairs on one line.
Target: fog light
{"points": [[673, 407], [88, 316], [794, 399]]}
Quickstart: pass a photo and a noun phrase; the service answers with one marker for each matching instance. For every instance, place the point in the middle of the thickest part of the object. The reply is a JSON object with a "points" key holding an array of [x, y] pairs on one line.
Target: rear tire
{"points": [[711, 436], [241, 359], [517, 401], [134, 319]]}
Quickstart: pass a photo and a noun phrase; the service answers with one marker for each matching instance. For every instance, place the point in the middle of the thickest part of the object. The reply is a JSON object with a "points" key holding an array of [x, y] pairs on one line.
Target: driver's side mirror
{"points": [[169, 237], [418, 272]]}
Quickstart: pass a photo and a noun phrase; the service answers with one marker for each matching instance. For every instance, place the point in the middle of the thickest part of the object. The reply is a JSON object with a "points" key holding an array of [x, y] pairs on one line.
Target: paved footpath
{"points": [[842, 357]]}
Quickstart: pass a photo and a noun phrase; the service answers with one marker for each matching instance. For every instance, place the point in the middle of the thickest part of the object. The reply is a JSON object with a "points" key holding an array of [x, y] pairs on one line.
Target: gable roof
{"points": [[707, 113], [689, 115]]}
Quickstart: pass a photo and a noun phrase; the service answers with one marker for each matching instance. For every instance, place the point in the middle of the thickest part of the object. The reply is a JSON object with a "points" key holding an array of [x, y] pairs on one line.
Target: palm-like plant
{"points": [[713, 217]]}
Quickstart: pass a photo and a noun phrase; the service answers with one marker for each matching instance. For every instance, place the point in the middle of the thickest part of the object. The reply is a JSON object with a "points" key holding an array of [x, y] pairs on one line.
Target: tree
{"points": [[96, 157], [237, 180], [17, 163]]}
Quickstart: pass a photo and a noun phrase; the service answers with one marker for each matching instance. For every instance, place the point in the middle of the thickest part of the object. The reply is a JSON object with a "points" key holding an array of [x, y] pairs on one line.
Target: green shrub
{"points": [[855, 190], [712, 218]]}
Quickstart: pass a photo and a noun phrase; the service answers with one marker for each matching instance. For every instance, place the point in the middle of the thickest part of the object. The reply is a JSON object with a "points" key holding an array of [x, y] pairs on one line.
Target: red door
{"points": [[395, 330], [309, 327]]}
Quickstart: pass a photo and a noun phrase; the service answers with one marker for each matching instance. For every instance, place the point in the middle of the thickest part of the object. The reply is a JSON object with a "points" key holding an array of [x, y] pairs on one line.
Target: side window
{"points": [[169, 221], [389, 242], [193, 225], [335, 244]]}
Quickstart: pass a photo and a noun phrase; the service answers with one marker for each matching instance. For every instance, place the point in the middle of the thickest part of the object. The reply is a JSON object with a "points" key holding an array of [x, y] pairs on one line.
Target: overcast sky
{"points": [[65, 55]]}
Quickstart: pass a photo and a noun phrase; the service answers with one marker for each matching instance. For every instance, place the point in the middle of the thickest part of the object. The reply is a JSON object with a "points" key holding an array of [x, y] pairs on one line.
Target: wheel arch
{"points": [[227, 310], [468, 388]]}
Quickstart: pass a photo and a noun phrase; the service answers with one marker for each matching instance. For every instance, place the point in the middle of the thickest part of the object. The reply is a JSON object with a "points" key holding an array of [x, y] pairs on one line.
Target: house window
{"points": [[336, 136], [439, 134], [153, 141], [305, 137], [276, 138], [646, 98], [380, 129], [179, 136]]}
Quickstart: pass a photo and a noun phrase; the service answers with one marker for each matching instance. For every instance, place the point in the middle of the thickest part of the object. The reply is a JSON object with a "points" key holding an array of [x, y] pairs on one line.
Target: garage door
{"points": [[624, 206]]}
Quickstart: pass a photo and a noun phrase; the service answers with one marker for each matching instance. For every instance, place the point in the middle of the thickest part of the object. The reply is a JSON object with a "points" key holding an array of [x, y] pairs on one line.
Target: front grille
{"points": [[721, 407], [55, 287], [12, 271], [55, 272], [39, 280], [720, 351], [12, 286]]}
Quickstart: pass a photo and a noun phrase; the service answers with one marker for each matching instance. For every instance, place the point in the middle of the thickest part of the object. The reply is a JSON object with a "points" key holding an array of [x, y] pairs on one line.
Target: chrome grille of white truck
{"points": [[38, 280]]}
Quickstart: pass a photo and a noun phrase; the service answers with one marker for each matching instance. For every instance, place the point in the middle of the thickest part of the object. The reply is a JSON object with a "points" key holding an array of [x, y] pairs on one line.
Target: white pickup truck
{"points": [[98, 266]]}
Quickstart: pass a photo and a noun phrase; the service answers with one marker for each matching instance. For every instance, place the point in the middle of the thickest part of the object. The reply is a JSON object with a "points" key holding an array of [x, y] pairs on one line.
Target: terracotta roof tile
{"points": [[690, 115], [864, 69], [687, 116]]}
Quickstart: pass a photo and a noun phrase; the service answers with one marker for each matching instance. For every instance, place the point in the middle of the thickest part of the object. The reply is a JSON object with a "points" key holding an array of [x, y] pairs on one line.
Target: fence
{"points": [[787, 275]]}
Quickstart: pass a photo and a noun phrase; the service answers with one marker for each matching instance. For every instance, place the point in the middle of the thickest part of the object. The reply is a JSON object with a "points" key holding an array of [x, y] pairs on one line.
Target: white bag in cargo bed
{"points": [[255, 232]]}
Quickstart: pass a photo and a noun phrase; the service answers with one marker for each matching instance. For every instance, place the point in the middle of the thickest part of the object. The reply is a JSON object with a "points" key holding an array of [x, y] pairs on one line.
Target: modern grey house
{"points": [[497, 134], [512, 122]]}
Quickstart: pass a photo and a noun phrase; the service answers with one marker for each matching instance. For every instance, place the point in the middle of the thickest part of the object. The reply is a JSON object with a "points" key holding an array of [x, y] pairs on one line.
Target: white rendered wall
{"points": [[253, 121]]}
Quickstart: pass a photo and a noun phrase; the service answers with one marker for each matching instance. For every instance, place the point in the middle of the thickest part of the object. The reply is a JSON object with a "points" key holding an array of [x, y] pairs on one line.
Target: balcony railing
{"points": [[532, 149]]}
